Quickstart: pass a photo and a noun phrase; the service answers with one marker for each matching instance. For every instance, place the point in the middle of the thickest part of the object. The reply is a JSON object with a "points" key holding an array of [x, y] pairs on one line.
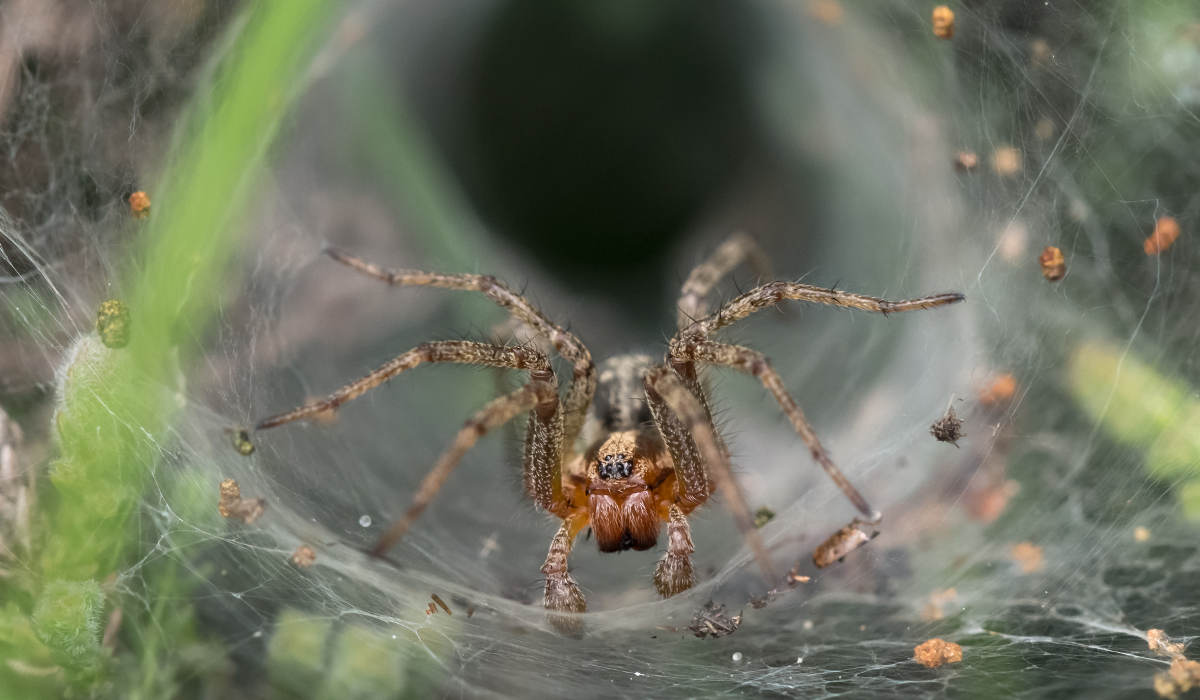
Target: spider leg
{"points": [[774, 292], [562, 593], [536, 393], [756, 364], [738, 248], [543, 444], [674, 573], [583, 381], [693, 443], [456, 351]]}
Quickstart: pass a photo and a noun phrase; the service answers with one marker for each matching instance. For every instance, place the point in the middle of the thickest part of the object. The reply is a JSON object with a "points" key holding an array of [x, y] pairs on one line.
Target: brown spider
{"points": [[648, 453]]}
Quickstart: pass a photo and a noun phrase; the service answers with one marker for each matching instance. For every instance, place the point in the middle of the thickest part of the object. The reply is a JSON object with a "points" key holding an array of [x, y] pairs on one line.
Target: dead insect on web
{"points": [[1054, 265], [762, 516], [1166, 230], [232, 505], [241, 441], [937, 651], [112, 324], [139, 204], [948, 428], [844, 541], [943, 22], [711, 621], [304, 556]]}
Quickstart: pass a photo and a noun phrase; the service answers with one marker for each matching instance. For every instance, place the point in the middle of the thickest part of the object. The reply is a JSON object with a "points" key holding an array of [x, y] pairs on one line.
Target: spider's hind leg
{"points": [[674, 573]]}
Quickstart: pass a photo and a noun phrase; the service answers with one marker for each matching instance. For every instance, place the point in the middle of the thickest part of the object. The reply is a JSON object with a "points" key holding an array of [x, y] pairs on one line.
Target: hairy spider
{"points": [[637, 448]]}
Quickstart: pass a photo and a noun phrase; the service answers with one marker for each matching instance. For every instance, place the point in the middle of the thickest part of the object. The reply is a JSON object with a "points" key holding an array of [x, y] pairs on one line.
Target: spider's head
{"points": [[622, 501], [614, 466]]}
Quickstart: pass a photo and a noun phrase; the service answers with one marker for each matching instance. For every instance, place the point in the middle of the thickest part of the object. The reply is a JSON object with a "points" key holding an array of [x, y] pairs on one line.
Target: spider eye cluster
{"points": [[615, 466]]}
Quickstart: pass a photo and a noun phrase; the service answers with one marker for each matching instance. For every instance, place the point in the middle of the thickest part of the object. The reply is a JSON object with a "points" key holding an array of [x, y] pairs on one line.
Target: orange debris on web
{"points": [[1166, 230], [1028, 556], [828, 11], [1006, 161], [139, 204], [1054, 265], [943, 22], [1160, 643], [232, 505], [934, 608], [1001, 390], [1182, 676], [304, 556], [936, 652], [988, 503]]}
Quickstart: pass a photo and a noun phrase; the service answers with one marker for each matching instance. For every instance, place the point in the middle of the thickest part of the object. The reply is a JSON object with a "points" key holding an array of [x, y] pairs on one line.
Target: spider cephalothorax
{"points": [[638, 448]]}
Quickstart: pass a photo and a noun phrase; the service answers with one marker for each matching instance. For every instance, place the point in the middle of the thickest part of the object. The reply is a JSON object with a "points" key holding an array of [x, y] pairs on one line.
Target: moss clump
{"points": [[67, 619]]}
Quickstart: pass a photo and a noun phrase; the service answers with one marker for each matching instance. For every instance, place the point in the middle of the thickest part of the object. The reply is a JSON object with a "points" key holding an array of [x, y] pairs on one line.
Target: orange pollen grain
{"points": [[1166, 230]]}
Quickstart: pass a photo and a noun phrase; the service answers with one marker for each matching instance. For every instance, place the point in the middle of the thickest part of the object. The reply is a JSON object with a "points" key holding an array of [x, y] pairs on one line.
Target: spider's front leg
{"points": [[687, 430], [674, 573], [562, 593]]}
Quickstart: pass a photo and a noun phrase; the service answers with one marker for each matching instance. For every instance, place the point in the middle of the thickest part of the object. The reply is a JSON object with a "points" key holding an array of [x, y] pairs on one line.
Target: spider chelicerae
{"points": [[628, 447]]}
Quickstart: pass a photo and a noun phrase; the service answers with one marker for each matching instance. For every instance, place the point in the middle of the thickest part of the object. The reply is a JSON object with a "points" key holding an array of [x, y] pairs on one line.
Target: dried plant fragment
{"points": [[327, 416], [1166, 230], [711, 621], [1006, 161], [943, 22], [844, 541], [936, 652], [441, 603], [762, 516], [1028, 556], [1000, 391], [966, 161], [16, 493], [232, 505], [1054, 265], [241, 441], [1160, 643], [794, 577], [304, 556], [112, 324], [139, 204], [948, 428]]}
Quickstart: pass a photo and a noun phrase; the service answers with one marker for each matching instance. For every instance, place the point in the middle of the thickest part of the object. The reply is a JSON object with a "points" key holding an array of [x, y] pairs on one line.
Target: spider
{"points": [[629, 445]]}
